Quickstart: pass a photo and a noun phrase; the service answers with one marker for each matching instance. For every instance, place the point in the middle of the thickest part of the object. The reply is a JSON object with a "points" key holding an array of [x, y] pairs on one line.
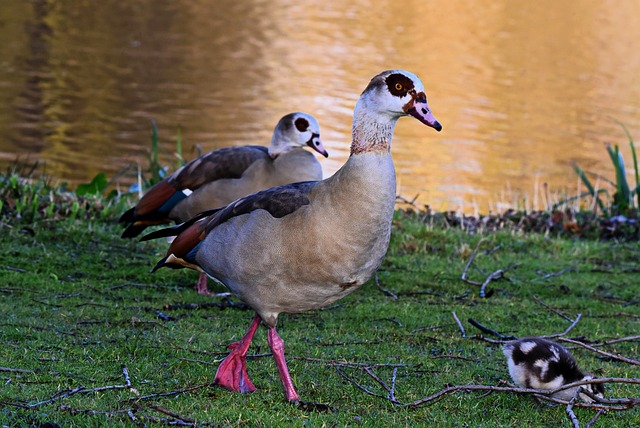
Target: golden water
{"points": [[523, 89]]}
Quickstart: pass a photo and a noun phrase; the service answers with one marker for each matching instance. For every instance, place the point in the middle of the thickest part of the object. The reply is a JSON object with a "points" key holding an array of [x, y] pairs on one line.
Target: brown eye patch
{"points": [[399, 84], [301, 124]]}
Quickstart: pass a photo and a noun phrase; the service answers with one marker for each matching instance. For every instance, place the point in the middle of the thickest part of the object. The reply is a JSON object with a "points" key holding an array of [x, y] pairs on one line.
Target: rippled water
{"points": [[523, 89]]}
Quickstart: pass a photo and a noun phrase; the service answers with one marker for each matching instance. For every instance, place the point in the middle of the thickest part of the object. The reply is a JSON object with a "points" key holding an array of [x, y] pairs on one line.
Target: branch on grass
{"points": [[595, 418], [614, 404], [384, 290], [490, 331], [82, 390], [571, 327], [494, 276], [346, 363], [555, 311], [457, 320], [365, 390], [226, 303], [10, 370], [168, 394], [597, 351], [560, 272], [572, 416], [15, 269]]}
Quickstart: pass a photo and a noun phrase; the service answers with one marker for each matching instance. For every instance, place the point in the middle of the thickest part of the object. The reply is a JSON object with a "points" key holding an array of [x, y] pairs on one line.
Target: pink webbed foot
{"points": [[232, 372]]}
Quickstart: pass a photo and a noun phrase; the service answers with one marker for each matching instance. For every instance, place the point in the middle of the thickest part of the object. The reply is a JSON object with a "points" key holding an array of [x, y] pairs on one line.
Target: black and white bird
{"points": [[538, 363]]}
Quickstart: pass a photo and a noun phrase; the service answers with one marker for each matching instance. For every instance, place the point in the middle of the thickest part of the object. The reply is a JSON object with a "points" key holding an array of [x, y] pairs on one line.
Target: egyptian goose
{"points": [[538, 363], [224, 175], [303, 246]]}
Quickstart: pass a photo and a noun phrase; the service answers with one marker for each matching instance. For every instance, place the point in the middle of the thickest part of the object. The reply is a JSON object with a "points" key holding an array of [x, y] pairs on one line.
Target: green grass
{"points": [[78, 303]]}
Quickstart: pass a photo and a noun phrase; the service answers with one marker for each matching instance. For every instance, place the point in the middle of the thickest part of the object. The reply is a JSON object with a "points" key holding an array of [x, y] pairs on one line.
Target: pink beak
{"points": [[421, 111]]}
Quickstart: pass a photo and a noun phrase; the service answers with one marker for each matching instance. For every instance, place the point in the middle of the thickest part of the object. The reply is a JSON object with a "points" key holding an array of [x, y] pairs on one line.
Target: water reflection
{"points": [[522, 89]]}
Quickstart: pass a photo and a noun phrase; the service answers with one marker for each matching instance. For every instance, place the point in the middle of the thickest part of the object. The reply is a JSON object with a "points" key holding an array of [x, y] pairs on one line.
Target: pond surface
{"points": [[523, 89]]}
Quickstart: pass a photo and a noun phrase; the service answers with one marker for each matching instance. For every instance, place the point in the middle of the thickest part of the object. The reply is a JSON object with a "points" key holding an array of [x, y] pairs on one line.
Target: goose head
{"points": [[393, 94], [296, 130]]}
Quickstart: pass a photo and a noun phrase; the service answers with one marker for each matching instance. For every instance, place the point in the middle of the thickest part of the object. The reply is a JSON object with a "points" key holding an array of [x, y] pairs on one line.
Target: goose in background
{"points": [[219, 177]]}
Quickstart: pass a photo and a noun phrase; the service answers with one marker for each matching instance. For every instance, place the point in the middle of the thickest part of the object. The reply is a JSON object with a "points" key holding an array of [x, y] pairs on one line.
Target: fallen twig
{"points": [[384, 290], [572, 416], [451, 357], [10, 370], [597, 351], [346, 363], [462, 332], [168, 394], [466, 267], [15, 269], [555, 311], [496, 275], [365, 390], [571, 327], [490, 331], [226, 303], [595, 418], [560, 272]]}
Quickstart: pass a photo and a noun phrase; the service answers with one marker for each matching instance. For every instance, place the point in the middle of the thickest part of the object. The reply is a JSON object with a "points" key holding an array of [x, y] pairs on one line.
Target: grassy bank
{"points": [[90, 338]]}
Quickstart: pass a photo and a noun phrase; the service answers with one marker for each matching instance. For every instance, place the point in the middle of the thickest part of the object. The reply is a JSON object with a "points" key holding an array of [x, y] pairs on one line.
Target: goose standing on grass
{"points": [[303, 246], [220, 177], [538, 363]]}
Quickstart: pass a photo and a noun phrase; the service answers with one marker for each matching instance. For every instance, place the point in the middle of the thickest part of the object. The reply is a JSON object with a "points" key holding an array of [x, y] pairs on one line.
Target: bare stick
{"points": [[384, 290], [377, 379], [597, 351], [595, 418], [555, 311], [176, 417], [8, 369], [499, 274], [571, 327], [15, 269], [168, 394], [346, 363], [462, 332], [392, 393], [622, 403], [560, 272], [466, 267], [125, 373], [572, 416], [490, 331], [365, 390]]}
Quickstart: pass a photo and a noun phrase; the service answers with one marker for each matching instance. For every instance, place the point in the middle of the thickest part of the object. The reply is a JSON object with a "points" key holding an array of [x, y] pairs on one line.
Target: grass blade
{"points": [[592, 191]]}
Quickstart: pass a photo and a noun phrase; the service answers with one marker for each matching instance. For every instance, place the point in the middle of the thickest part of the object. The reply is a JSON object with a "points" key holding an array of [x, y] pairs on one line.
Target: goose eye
{"points": [[398, 86], [301, 124]]}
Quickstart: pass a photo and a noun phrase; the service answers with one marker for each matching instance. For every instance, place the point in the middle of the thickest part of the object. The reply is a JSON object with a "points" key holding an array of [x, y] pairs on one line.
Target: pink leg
{"points": [[277, 348], [232, 372], [201, 287]]}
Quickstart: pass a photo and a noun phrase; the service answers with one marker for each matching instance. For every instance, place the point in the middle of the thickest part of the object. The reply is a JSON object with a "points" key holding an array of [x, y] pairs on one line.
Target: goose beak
{"points": [[316, 145], [419, 109]]}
